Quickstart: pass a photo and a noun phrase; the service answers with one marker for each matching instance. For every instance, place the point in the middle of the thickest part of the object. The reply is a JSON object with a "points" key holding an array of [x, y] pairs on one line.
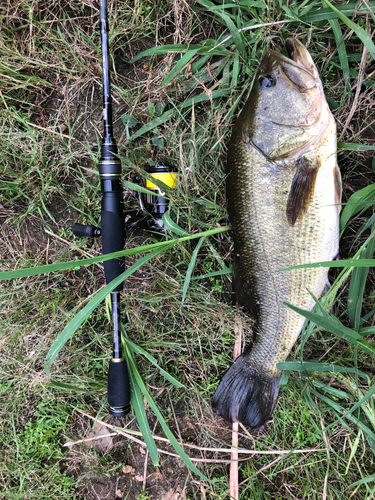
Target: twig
{"points": [[70, 244], [175, 419], [296, 466], [268, 466], [52, 131], [146, 463], [362, 130], [131, 435], [290, 493], [357, 91], [87, 440], [326, 440], [246, 434], [4, 101], [145, 470], [233, 476]]}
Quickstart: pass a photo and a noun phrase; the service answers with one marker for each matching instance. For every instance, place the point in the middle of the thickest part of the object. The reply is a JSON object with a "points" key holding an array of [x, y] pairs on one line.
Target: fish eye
{"points": [[267, 81]]}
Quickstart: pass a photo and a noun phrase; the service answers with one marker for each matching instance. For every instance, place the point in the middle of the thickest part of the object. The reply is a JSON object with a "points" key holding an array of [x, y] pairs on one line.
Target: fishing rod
{"points": [[112, 232], [153, 206]]}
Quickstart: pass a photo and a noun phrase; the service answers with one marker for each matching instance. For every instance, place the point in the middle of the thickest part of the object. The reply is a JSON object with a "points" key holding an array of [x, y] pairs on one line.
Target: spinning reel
{"points": [[152, 206], [155, 205]]}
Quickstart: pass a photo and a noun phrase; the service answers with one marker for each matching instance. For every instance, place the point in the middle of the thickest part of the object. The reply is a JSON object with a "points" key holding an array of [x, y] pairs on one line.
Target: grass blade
{"points": [[358, 201], [348, 414], [235, 70], [237, 37], [190, 268], [370, 330], [357, 286], [228, 270], [327, 13], [360, 32], [172, 226], [350, 263], [353, 451], [179, 66], [163, 423], [140, 189], [79, 318], [68, 387], [367, 225], [307, 366], [171, 112], [341, 49], [138, 406], [138, 350], [334, 326], [164, 49], [352, 146], [337, 393], [60, 266], [365, 480]]}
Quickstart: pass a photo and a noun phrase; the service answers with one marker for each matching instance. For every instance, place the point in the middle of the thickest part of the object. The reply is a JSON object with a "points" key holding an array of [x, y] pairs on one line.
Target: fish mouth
{"points": [[300, 55], [298, 69]]}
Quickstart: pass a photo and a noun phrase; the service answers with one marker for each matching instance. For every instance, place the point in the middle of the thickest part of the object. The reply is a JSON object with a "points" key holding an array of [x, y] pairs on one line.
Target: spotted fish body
{"points": [[284, 195]]}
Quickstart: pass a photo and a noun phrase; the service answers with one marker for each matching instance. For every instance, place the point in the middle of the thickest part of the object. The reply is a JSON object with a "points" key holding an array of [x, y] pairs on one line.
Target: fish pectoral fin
{"points": [[302, 190]]}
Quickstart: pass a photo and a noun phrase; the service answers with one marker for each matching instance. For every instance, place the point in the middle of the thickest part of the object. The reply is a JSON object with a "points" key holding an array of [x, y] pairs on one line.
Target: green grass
{"points": [[181, 73]]}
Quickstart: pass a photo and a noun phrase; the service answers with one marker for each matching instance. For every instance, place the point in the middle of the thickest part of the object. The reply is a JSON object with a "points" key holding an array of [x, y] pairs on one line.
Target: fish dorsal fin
{"points": [[302, 190]]}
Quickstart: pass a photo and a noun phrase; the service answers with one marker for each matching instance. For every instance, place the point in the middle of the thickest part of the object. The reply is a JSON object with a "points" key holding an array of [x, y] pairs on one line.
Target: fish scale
{"points": [[283, 194]]}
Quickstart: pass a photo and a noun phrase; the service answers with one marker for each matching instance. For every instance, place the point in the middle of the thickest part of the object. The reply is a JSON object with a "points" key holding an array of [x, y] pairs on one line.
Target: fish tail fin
{"points": [[246, 395]]}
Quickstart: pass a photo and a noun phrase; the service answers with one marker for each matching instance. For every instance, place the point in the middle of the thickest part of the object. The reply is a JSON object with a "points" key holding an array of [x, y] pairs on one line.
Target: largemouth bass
{"points": [[283, 195]]}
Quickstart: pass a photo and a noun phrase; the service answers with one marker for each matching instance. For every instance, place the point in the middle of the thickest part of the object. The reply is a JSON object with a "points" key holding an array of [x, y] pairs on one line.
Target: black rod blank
{"points": [[112, 230]]}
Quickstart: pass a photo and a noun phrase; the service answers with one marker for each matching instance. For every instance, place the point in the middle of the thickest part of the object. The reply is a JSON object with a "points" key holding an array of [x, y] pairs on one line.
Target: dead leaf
{"points": [[172, 495], [128, 469], [106, 443]]}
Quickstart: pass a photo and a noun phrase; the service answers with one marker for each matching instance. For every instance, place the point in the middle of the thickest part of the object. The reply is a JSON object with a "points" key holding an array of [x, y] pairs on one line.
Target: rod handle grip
{"points": [[113, 234], [118, 388]]}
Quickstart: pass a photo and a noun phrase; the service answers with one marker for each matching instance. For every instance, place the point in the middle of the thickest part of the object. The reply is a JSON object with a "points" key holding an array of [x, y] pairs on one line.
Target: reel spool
{"points": [[156, 205]]}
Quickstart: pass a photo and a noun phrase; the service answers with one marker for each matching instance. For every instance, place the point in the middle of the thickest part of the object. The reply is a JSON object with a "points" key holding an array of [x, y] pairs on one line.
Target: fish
{"points": [[283, 191]]}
